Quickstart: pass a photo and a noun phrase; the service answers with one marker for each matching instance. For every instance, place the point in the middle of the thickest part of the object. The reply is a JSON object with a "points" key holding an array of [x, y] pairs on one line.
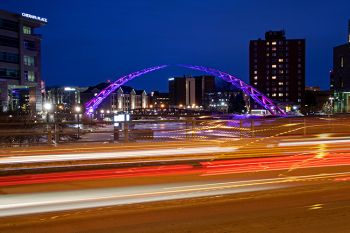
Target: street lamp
{"points": [[331, 100], [77, 109], [48, 107]]}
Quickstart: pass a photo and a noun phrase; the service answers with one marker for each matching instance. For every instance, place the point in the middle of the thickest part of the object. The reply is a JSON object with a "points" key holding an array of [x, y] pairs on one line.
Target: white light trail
{"points": [[114, 155]]}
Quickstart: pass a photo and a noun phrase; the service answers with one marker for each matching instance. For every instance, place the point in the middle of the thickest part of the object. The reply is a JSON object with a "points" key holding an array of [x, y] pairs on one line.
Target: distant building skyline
{"points": [[132, 35]]}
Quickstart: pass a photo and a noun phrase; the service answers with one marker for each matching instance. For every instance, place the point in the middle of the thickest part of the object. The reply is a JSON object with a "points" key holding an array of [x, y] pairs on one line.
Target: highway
{"points": [[273, 186]]}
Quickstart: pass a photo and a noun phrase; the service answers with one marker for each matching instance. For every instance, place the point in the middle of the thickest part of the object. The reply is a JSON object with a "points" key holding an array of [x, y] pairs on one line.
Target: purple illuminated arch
{"points": [[257, 96]]}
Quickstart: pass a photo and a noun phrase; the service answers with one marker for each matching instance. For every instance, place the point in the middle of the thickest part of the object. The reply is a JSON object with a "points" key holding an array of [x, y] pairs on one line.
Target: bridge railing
{"points": [[28, 134]]}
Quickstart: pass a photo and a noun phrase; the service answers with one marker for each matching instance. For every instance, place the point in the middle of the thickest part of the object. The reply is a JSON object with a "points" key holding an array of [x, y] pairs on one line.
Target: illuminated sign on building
{"points": [[34, 17], [69, 89]]}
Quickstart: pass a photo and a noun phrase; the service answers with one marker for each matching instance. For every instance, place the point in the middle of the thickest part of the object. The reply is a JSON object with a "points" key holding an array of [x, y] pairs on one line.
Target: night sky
{"points": [[90, 41]]}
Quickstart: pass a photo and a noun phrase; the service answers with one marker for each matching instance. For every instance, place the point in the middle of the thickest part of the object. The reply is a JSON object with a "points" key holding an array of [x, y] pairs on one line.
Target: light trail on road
{"points": [[210, 168], [114, 155], [19, 204]]}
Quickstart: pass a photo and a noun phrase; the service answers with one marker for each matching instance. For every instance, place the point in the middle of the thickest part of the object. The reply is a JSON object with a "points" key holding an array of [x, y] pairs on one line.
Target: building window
{"points": [[29, 76], [29, 60], [280, 60], [280, 94], [273, 43], [27, 30], [30, 45], [255, 77], [9, 73], [8, 41], [9, 57], [280, 83], [273, 94], [273, 66], [9, 25], [273, 77]]}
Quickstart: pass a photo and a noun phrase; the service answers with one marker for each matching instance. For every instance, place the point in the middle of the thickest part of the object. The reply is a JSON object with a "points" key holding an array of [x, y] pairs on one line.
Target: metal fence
{"points": [[34, 133]]}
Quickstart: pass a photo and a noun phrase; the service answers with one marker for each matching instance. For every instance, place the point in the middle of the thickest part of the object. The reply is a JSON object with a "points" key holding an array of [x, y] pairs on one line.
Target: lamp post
{"points": [[77, 109], [331, 100], [48, 107]]}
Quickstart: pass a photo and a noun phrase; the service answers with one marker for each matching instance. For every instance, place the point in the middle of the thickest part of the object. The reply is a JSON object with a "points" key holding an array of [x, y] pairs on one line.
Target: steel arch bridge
{"points": [[257, 96]]}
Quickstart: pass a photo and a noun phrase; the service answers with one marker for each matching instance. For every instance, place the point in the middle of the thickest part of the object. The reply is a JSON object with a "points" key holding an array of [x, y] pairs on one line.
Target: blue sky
{"points": [[89, 41]]}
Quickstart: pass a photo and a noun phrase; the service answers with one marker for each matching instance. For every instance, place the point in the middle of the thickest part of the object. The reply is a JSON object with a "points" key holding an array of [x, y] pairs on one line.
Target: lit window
{"points": [[27, 30], [255, 77], [273, 48], [273, 94], [28, 60], [280, 94], [280, 83], [273, 66], [273, 77], [255, 83], [267, 43], [29, 76], [280, 60], [274, 43], [255, 72]]}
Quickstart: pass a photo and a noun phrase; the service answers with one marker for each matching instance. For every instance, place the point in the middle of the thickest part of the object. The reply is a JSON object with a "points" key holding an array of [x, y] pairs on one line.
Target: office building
{"points": [[190, 91], [277, 68], [65, 98], [226, 101], [159, 99], [20, 62], [340, 76]]}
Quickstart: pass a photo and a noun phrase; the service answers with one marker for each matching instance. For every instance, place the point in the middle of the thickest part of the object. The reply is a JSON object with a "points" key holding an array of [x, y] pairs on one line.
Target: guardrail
{"points": [[27, 134]]}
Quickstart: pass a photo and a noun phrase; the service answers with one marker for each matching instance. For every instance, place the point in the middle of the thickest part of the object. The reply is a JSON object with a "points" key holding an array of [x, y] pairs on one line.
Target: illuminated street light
{"points": [[77, 109], [48, 106]]}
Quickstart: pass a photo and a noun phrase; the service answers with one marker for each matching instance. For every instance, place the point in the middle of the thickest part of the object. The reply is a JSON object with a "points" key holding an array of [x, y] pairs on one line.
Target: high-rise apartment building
{"points": [[340, 76], [190, 91], [277, 67], [20, 61]]}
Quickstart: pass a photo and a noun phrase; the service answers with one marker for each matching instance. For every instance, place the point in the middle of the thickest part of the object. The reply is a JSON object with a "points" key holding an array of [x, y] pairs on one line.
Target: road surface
{"points": [[297, 185]]}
